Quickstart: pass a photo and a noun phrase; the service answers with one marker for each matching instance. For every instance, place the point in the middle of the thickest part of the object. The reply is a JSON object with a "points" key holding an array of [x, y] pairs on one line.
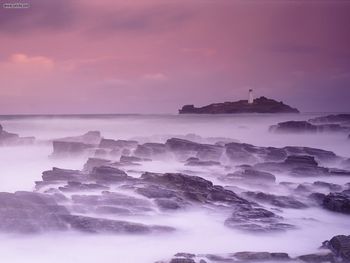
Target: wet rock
{"points": [[167, 204], [276, 200], [318, 154], [94, 162], [108, 174], [132, 159], [150, 150], [337, 202], [205, 152], [294, 126], [57, 174], [334, 118], [182, 260], [185, 255], [217, 258], [317, 258], [117, 144], [100, 225], [202, 163], [27, 212], [317, 197], [261, 256], [78, 187], [340, 245], [255, 219], [329, 186], [252, 175], [9, 139], [66, 149]]}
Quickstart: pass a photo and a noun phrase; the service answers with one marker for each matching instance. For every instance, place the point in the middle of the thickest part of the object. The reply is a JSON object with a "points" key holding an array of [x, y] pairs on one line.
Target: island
{"points": [[259, 105]]}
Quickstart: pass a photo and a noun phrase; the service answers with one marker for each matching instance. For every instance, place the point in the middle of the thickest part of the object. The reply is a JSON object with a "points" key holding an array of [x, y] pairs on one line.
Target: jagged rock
{"points": [[340, 245], [337, 202], [78, 187], [260, 105], [255, 219], [276, 200]]}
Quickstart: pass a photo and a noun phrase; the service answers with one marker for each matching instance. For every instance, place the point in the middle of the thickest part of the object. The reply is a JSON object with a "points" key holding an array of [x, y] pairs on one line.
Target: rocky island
{"points": [[259, 105]]}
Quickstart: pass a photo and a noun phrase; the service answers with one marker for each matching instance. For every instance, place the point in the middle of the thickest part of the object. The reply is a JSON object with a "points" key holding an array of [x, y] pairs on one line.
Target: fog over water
{"points": [[199, 230]]}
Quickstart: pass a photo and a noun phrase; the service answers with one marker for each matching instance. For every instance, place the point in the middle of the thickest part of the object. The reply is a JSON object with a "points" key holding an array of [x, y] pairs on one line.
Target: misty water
{"points": [[198, 230]]}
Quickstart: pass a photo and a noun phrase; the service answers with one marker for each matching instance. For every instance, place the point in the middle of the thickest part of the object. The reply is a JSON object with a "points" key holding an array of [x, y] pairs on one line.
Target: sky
{"points": [[153, 56]]}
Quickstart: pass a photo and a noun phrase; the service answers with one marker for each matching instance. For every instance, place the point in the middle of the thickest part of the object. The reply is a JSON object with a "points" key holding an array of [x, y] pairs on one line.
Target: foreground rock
{"points": [[340, 246], [260, 105], [10, 139], [27, 212]]}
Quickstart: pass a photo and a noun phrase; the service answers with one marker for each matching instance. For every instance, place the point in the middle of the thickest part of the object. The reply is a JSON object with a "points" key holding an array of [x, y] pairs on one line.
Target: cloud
{"points": [[36, 61]]}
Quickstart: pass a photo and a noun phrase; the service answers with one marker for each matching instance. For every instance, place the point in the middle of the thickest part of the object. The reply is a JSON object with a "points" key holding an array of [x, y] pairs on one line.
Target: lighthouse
{"points": [[251, 97]]}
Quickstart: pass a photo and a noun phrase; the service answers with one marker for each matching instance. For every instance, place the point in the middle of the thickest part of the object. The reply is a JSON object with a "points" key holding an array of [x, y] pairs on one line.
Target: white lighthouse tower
{"points": [[251, 97]]}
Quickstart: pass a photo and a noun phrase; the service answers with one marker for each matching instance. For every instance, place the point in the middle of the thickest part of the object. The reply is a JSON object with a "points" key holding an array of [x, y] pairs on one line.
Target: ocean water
{"points": [[199, 231]]}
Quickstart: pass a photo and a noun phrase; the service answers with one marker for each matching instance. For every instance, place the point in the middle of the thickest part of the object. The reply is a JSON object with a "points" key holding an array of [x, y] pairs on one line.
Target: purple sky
{"points": [[147, 56]]}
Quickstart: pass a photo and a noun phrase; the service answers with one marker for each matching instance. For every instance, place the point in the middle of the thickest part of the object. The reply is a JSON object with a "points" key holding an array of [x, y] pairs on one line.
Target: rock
{"points": [[78, 187], [57, 174], [27, 212], [301, 160], [318, 258], [251, 175], [10, 139], [69, 149], [317, 197], [150, 150], [182, 260], [185, 148], [99, 225], [202, 163], [340, 245], [338, 118], [95, 162], [167, 204], [329, 186], [108, 174], [261, 256], [337, 202], [260, 105], [306, 127], [117, 144], [91, 137], [276, 200], [255, 219], [185, 255]]}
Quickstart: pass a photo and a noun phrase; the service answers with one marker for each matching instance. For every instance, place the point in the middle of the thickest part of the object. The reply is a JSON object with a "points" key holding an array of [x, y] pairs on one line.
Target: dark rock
{"points": [[149, 150], [95, 162], [217, 258], [252, 175], [205, 152], [317, 258], [301, 160], [338, 118], [337, 202], [182, 260], [276, 200], [329, 186], [185, 255], [99, 225], [202, 163], [57, 174], [108, 174], [167, 204], [261, 256], [260, 105], [27, 212], [78, 187], [66, 149], [117, 144], [340, 245], [255, 219], [306, 127], [317, 197]]}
